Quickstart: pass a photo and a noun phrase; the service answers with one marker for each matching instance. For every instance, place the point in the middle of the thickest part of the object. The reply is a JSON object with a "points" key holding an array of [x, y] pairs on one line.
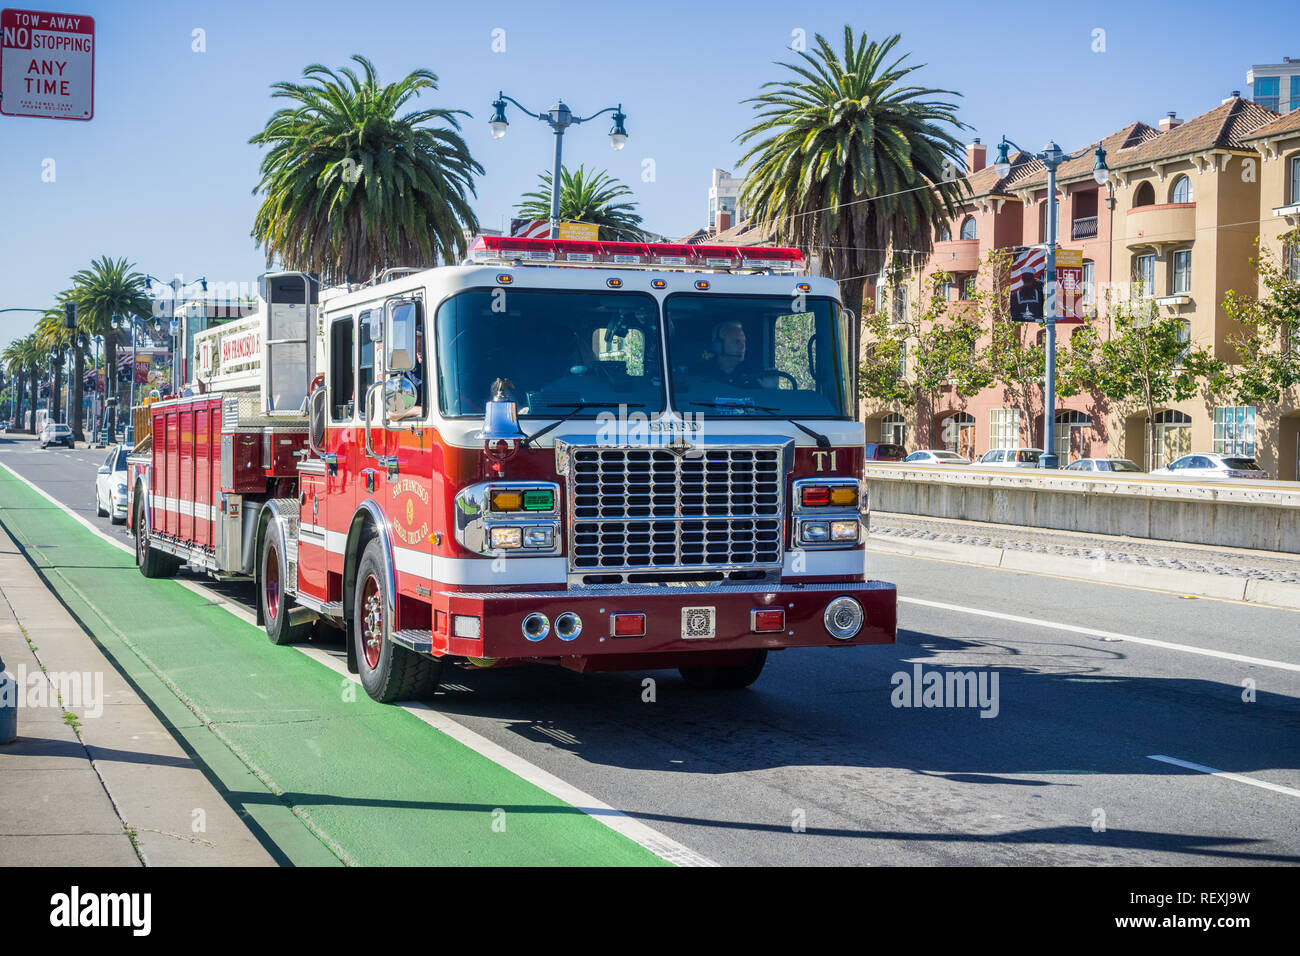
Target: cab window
{"points": [[341, 359], [365, 355]]}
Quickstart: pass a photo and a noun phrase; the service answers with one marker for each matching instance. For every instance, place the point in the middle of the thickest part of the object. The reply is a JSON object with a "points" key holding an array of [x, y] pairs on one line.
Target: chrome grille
{"points": [[632, 509]]}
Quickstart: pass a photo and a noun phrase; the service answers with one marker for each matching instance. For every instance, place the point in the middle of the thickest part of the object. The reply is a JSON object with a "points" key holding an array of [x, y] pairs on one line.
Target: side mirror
{"points": [[402, 316], [103, 470]]}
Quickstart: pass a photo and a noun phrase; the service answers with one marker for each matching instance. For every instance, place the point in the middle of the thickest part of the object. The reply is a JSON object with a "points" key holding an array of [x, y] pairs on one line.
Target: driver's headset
{"points": [[715, 346]]}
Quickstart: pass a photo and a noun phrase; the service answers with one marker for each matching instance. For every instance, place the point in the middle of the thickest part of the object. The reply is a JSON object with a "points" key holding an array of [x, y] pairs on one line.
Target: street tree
{"points": [[914, 355], [108, 288], [15, 365], [849, 160], [352, 186], [595, 197], [1146, 362], [1269, 345]]}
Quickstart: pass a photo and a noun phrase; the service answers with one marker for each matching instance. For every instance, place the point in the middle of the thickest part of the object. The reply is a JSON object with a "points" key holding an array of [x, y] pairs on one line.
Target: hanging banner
{"points": [[1028, 293]]}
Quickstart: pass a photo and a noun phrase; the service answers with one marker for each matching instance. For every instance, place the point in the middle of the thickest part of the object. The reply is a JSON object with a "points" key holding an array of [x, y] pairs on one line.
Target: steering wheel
{"points": [[794, 383]]}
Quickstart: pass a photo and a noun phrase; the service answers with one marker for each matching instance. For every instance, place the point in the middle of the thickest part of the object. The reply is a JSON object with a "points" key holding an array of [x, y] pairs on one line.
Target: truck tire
{"points": [[725, 678], [388, 672], [273, 594], [152, 563]]}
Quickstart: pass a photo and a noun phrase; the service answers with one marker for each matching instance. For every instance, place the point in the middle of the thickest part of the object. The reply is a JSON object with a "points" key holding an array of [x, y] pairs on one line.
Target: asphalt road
{"points": [[817, 765]]}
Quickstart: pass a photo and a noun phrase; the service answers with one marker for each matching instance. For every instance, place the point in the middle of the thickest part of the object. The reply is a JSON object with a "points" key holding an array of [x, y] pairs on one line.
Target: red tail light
{"points": [[815, 496], [767, 620], [627, 625]]}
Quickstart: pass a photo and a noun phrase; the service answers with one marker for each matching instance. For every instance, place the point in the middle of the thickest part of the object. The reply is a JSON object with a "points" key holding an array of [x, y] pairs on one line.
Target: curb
{"points": [[1223, 587]]}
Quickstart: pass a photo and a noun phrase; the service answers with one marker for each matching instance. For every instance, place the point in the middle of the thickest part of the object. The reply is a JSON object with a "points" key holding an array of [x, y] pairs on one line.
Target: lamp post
{"points": [[177, 285], [1051, 157], [559, 117]]}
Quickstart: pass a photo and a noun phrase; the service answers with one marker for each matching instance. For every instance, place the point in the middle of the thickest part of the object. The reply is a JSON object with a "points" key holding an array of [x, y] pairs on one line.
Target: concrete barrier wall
{"points": [[1259, 515]]}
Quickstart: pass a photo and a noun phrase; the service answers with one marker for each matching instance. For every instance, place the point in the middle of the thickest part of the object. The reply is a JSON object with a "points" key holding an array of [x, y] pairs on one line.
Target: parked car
{"points": [[883, 451], [1103, 464], [110, 485], [1011, 458], [934, 456], [53, 433], [1210, 465]]}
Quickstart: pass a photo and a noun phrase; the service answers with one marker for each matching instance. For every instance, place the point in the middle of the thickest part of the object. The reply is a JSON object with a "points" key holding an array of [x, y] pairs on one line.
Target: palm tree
{"points": [[53, 334], [351, 187], [12, 359], [849, 163], [31, 358], [109, 288], [588, 197]]}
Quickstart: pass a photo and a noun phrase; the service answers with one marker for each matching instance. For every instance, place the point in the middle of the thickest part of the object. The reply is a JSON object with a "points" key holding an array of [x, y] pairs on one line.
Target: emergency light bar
{"points": [[503, 250]]}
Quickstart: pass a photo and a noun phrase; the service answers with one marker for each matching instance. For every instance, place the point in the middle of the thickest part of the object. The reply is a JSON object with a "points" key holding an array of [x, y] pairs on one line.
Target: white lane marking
{"points": [[1201, 768], [654, 841], [661, 846], [1104, 635]]}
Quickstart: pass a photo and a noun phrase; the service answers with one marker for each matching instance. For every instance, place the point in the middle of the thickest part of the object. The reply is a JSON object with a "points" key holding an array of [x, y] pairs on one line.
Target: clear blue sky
{"points": [[164, 173]]}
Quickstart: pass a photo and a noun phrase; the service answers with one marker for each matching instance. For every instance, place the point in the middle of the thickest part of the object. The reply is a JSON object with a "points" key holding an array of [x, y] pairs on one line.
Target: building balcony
{"points": [[956, 255], [1160, 225], [1084, 227]]}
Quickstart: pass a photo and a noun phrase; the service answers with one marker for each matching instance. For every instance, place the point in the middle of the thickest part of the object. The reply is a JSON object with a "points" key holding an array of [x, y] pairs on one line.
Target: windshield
{"points": [[1241, 464], [557, 349], [1123, 464], [758, 356], [120, 463]]}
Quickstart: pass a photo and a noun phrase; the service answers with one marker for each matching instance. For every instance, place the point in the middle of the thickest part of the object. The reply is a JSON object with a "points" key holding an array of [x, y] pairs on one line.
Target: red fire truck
{"points": [[605, 455]]}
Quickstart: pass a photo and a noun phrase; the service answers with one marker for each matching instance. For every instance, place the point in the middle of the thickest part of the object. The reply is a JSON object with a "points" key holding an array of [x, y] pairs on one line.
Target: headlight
{"points": [[506, 537], [814, 531], [844, 530], [121, 489]]}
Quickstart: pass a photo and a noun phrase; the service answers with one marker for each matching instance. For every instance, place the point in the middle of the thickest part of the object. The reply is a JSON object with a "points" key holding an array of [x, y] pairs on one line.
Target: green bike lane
{"points": [[321, 773]]}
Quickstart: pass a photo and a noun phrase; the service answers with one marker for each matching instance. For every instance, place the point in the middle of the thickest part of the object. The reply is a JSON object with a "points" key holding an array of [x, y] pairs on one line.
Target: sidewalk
{"points": [[97, 779], [1258, 577]]}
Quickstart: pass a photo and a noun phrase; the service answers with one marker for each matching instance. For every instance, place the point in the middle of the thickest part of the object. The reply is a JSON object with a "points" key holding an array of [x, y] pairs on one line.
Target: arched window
{"points": [[1070, 428], [1145, 195], [1173, 437], [944, 233], [969, 229], [892, 429], [1181, 190]]}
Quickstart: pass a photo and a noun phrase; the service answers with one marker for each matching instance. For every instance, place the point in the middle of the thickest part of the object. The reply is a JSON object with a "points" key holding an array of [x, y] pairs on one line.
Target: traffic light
{"points": [[70, 315]]}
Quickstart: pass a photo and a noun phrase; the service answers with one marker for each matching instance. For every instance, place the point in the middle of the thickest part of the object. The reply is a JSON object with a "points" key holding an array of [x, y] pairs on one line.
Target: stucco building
{"points": [[1178, 223]]}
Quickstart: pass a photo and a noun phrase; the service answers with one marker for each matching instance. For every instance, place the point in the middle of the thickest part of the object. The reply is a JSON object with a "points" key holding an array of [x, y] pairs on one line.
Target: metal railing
{"points": [[1085, 227]]}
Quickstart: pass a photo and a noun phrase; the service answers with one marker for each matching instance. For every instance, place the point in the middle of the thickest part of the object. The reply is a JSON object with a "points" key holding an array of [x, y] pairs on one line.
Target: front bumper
{"points": [[501, 615]]}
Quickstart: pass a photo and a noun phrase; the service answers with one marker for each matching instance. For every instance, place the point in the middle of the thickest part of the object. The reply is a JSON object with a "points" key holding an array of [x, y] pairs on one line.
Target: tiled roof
{"points": [[1290, 123], [1227, 126], [1132, 136], [744, 233]]}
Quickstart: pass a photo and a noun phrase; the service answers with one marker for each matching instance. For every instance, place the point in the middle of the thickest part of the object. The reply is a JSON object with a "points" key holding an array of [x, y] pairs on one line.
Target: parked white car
{"points": [[1103, 464], [1011, 458], [1210, 465], [110, 486], [53, 433], [934, 456]]}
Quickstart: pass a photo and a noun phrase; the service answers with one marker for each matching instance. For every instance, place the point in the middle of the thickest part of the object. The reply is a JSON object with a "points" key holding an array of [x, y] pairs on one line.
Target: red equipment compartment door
{"points": [[185, 494], [171, 491], [313, 578], [203, 458]]}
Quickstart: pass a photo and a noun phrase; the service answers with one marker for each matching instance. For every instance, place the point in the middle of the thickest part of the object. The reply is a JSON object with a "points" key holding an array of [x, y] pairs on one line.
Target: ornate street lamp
{"points": [[559, 117], [1051, 157]]}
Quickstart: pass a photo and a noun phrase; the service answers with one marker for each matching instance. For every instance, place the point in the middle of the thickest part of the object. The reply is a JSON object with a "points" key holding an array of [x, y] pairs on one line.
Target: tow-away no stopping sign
{"points": [[47, 65]]}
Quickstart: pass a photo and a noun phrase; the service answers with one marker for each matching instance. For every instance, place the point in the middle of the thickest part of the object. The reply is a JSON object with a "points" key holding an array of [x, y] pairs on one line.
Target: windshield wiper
{"points": [[822, 440], [574, 408]]}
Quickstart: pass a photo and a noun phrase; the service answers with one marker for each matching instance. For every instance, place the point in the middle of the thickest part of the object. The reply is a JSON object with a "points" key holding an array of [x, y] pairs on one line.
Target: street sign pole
{"points": [[1049, 458]]}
